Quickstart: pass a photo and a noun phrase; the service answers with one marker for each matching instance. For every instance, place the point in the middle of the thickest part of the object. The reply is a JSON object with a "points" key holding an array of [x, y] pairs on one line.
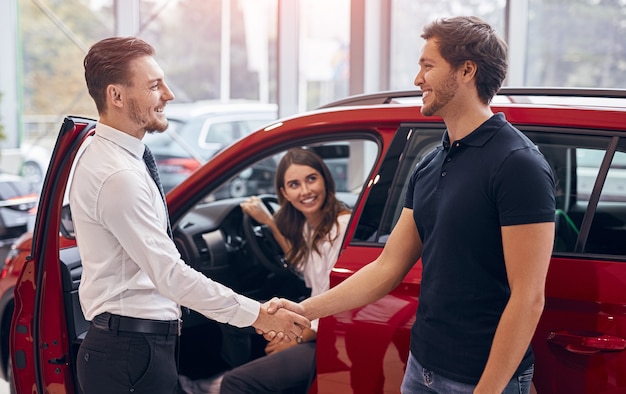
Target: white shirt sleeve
{"points": [[142, 235]]}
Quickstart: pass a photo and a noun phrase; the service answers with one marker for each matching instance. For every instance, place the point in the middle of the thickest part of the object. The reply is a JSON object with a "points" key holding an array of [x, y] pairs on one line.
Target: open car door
{"points": [[40, 339]]}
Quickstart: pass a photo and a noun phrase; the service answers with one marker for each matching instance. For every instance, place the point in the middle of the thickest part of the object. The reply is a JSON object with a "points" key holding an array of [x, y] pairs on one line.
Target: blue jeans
{"points": [[418, 380]]}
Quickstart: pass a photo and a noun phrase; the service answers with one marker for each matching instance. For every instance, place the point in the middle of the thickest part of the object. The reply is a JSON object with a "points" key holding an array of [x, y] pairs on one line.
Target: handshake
{"points": [[281, 320]]}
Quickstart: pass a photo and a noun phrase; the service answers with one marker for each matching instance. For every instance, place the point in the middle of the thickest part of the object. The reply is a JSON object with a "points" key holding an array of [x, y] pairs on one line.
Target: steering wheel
{"points": [[261, 241]]}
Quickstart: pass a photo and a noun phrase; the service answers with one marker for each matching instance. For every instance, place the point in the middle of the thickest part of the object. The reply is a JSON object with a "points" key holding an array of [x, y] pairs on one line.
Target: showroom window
{"points": [[408, 19]]}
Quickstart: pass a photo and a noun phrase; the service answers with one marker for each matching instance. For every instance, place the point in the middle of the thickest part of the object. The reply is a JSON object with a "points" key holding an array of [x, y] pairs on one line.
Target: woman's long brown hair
{"points": [[290, 221]]}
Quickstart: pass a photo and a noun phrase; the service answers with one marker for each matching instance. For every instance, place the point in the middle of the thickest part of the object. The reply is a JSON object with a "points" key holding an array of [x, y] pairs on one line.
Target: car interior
{"points": [[590, 182]]}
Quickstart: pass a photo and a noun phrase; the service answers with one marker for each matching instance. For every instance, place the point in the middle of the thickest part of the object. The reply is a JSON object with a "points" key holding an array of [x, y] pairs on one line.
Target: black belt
{"points": [[111, 322]]}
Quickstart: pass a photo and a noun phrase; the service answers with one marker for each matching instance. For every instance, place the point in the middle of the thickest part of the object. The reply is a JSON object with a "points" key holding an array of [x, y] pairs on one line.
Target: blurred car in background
{"points": [[199, 130], [35, 159], [18, 200]]}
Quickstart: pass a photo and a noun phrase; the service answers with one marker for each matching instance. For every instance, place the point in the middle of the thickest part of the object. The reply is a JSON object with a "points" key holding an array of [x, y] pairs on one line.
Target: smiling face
{"points": [[437, 79], [147, 95], [304, 188]]}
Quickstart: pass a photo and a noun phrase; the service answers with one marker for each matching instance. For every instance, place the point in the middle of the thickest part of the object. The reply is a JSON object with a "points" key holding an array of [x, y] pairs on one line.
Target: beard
{"points": [[443, 94], [146, 119]]}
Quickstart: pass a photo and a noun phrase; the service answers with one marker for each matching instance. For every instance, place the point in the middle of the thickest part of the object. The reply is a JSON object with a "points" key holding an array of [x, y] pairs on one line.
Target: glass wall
{"points": [[207, 52], [567, 43], [409, 18], [324, 51], [576, 43], [228, 50]]}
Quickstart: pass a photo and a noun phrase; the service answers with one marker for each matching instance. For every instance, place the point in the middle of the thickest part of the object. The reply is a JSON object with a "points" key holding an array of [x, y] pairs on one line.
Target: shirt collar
{"points": [[133, 145], [482, 134]]}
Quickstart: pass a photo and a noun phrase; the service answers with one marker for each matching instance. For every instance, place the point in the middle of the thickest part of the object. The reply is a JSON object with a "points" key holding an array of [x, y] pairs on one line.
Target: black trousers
{"points": [[111, 362], [290, 371]]}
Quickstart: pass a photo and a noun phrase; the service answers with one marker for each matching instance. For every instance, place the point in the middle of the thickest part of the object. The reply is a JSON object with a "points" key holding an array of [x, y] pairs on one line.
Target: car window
{"points": [[170, 143], [584, 225], [189, 133], [591, 199], [222, 134], [207, 135], [248, 126], [390, 183], [350, 163], [588, 164]]}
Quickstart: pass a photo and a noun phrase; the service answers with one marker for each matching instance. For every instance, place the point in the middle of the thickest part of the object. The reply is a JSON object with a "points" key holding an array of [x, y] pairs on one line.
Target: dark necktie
{"points": [[154, 174]]}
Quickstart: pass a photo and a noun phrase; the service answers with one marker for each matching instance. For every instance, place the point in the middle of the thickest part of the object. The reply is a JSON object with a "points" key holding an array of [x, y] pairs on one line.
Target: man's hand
{"points": [[272, 307], [276, 303], [281, 324]]}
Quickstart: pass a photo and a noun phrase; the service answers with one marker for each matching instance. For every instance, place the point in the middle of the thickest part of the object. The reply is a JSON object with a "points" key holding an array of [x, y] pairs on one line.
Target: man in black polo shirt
{"points": [[480, 211]]}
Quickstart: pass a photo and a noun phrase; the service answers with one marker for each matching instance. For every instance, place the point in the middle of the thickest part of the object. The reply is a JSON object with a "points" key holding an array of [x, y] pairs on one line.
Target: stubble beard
{"points": [[151, 126], [443, 95]]}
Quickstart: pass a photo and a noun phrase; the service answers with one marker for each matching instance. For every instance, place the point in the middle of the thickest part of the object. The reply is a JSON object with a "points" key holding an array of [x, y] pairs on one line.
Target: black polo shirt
{"points": [[461, 195]]}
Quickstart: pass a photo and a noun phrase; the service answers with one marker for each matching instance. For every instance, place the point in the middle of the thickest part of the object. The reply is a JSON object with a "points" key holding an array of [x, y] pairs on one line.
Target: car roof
{"points": [[571, 97], [564, 107]]}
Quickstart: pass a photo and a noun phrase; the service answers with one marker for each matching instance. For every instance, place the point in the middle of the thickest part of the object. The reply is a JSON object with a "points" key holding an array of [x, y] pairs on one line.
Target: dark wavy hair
{"points": [[290, 221], [107, 62], [465, 38]]}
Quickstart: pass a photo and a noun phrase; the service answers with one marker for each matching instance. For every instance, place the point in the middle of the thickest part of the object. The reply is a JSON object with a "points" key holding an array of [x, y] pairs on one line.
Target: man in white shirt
{"points": [[133, 279]]}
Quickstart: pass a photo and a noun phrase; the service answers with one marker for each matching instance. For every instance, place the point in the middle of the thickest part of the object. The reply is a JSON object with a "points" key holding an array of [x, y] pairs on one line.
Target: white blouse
{"points": [[316, 268]]}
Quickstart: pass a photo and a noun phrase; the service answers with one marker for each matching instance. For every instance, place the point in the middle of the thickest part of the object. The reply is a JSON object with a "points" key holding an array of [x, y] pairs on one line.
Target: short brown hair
{"points": [[107, 63], [470, 38]]}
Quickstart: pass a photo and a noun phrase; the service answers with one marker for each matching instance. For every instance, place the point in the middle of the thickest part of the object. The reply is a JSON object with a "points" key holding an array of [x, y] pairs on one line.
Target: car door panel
{"points": [[582, 332], [369, 344], [580, 341], [40, 328]]}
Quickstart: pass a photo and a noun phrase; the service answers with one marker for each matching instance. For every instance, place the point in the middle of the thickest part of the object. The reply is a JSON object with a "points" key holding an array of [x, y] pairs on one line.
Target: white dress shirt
{"points": [[130, 265], [317, 267]]}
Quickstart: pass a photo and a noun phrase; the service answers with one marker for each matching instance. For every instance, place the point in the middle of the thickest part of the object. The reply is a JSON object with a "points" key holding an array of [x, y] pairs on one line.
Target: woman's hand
{"points": [[255, 207], [273, 347]]}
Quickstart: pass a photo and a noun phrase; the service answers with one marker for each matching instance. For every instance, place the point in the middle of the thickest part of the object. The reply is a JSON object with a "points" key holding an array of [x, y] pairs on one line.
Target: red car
{"points": [[371, 143]]}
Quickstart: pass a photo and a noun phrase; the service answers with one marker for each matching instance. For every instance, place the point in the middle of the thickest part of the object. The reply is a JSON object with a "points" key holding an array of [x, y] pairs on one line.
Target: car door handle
{"points": [[586, 343]]}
